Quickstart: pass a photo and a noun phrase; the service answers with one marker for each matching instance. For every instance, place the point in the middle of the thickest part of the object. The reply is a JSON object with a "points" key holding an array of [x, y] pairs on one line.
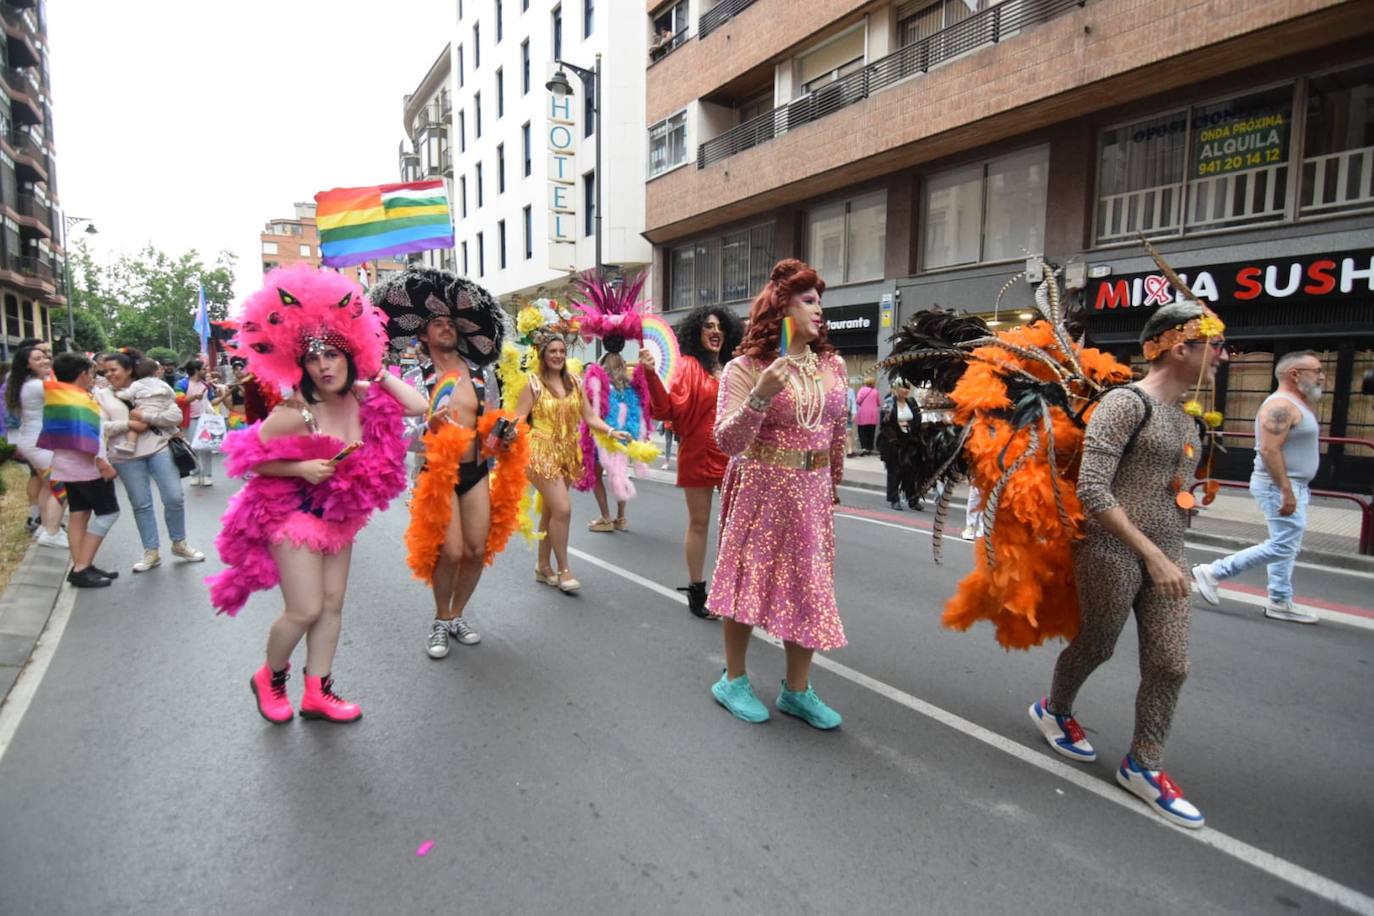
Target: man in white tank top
{"points": [[1286, 459]]}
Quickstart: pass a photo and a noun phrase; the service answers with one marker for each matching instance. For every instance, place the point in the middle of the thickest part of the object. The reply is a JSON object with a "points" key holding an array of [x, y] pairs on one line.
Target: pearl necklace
{"points": [[808, 389]]}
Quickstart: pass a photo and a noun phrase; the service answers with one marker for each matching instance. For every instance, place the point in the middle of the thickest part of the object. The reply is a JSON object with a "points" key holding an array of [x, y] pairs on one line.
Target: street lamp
{"points": [[591, 81], [70, 223]]}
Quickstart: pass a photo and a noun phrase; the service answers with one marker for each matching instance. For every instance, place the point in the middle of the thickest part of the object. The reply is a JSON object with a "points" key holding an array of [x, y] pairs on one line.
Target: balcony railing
{"points": [[30, 266], [23, 143], [1153, 211], [718, 15], [988, 27], [35, 207], [1254, 196], [659, 51], [446, 161], [1338, 181]]}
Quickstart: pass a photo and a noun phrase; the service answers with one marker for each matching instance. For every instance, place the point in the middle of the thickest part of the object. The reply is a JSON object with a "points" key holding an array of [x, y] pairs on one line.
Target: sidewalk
{"points": [[25, 607]]}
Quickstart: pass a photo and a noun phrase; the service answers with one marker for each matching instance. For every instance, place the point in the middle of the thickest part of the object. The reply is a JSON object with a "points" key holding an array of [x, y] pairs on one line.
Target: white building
{"points": [[424, 155], [508, 141]]}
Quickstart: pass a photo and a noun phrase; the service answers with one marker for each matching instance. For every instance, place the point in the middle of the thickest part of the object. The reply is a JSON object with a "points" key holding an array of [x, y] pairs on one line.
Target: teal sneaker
{"points": [[805, 705], [738, 697]]}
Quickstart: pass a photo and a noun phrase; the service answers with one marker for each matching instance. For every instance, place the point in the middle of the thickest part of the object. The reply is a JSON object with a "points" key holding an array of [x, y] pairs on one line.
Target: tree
{"points": [[149, 299], [89, 333]]}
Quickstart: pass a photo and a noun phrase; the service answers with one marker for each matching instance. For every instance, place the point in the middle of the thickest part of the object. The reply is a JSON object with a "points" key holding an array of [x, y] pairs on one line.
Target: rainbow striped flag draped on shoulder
{"points": [[71, 418], [362, 224]]}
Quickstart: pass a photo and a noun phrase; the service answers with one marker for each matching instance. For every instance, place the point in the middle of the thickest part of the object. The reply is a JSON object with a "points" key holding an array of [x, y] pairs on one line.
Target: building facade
{"points": [[284, 242], [919, 153], [524, 176], [32, 238], [424, 154]]}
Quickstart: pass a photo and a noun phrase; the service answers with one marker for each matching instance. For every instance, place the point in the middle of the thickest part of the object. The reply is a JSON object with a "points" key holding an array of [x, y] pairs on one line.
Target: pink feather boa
{"points": [[267, 509]]}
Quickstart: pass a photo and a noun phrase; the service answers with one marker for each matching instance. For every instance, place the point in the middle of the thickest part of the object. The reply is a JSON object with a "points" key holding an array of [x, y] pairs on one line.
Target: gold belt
{"points": [[799, 458]]}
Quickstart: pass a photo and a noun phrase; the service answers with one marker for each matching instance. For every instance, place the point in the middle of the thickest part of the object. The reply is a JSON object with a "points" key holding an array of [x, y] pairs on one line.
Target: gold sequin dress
{"points": [[555, 449]]}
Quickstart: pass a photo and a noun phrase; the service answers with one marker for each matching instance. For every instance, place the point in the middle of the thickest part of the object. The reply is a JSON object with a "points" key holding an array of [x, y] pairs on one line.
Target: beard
{"points": [[1312, 391]]}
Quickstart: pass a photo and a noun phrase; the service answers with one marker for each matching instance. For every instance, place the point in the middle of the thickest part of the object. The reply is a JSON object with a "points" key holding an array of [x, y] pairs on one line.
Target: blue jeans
{"points": [[139, 475], [1280, 552]]}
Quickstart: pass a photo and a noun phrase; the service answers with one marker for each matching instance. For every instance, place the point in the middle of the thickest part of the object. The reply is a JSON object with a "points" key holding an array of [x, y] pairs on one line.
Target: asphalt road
{"points": [[574, 761]]}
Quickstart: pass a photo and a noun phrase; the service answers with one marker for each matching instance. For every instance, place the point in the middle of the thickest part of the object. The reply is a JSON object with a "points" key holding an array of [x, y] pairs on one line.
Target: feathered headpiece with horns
{"points": [[610, 312]]}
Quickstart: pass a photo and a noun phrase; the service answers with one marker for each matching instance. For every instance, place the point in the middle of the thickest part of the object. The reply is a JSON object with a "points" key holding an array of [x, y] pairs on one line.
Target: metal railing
{"points": [[1338, 181], [34, 267], [718, 15], [988, 27], [1255, 195], [23, 143], [1153, 211], [35, 207], [446, 161], [678, 39]]}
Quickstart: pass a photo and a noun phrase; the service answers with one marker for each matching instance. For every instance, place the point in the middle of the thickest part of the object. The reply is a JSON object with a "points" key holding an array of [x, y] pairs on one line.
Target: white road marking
{"points": [[22, 693], [1280, 868]]}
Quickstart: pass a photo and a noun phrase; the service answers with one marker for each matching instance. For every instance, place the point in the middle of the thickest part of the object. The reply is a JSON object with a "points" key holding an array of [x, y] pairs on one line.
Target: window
{"points": [[588, 17], [500, 93], [525, 146], [525, 67], [990, 211], [269, 247], [727, 268], [460, 10], [832, 61], [465, 259], [557, 17], [847, 240], [463, 195], [501, 244], [589, 202], [588, 113], [529, 233], [305, 251], [477, 115], [500, 168], [460, 66], [476, 46], [481, 256], [668, 144], [669, 30], [462, 132], [478, 179], [500, 31], [1338, 156]]}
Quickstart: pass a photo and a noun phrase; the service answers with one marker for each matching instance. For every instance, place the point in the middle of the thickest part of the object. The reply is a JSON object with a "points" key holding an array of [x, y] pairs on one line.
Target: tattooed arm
{"points": [[1276, 419]]}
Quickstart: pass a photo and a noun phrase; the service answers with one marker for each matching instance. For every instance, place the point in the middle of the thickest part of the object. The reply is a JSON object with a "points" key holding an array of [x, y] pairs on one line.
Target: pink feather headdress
{"points": [[609, 312], [301, 309]]}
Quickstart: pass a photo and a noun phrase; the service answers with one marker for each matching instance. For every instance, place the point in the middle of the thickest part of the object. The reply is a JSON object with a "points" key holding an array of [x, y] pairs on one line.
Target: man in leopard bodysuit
{"points": [[1140, 452]]}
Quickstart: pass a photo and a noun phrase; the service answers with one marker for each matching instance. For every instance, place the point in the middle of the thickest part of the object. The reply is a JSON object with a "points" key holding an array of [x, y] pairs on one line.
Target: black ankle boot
{"points": [[696, 600]]}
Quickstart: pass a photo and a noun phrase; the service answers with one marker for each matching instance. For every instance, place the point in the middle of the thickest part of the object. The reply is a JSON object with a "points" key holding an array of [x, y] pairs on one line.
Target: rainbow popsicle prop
{"points": [[785, 337], [443, 393]]}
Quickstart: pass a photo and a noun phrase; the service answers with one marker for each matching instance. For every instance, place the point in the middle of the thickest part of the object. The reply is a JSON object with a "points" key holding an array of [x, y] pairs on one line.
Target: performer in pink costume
{"points": [[782, 420], [294, 522]]}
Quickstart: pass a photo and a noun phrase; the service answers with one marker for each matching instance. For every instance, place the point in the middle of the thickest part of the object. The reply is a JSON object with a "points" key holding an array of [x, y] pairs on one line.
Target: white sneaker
{"points": [[1206, 584], [187, 552], [969, 534], [1160, 792], [1280, 611], [151, 558], [1063, 733], [437, 646], [463, 632], [58, 540]]}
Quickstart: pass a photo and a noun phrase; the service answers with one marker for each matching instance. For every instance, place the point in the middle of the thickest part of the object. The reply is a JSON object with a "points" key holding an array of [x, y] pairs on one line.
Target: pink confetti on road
{"points": [[425, 847]]}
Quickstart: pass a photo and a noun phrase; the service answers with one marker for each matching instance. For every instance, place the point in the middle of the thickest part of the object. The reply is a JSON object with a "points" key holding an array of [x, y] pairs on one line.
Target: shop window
{"points": [[990, 211], [1338, 156], [1359, 422], [728, 268], [668, 144]]}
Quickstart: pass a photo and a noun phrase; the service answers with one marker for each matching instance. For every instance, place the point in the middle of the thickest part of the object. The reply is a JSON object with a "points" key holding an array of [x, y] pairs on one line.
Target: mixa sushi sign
{"points": [[1336, 277]]}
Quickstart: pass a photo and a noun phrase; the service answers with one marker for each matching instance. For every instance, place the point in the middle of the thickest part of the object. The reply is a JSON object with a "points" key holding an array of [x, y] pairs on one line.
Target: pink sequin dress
{"points": [[775, 566]]}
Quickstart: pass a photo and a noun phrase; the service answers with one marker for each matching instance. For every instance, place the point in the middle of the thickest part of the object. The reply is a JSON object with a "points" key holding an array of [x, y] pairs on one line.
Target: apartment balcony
{"points": [[446, 161], [30, 159], [36, 216], [23, 35], [988, 80], [32, 273], [26, 104], [720, 14]]}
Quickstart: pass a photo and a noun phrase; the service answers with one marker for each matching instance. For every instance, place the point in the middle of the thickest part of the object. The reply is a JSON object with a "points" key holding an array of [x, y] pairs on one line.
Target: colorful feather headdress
{"points": [[301, 310], [610, 312], [543, 320]]}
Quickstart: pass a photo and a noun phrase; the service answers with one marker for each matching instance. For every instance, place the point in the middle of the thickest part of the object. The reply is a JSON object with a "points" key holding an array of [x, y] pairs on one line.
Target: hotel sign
{"points": [[561, 140]]}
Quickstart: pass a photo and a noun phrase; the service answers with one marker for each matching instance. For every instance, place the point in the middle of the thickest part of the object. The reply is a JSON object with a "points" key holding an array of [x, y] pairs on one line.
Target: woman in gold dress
{"points": [[554, 405]]}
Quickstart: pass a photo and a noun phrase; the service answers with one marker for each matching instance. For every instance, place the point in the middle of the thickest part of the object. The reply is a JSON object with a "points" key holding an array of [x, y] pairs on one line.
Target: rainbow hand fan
{"points": [[660, 341], [443, 393]]}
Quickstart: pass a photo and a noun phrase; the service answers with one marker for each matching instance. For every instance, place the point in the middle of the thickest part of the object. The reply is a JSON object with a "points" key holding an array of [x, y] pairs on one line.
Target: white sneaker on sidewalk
{"points": [[1206, 584], [58, 540], [1282, 610]]}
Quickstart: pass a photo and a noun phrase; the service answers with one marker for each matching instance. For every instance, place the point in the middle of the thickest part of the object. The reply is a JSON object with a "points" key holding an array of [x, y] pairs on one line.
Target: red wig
{"points": [[789, 278]]}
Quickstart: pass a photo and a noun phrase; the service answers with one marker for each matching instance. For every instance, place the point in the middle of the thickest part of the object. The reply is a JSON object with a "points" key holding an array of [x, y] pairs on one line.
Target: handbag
{"points": [[182, 456], [210, 429]]}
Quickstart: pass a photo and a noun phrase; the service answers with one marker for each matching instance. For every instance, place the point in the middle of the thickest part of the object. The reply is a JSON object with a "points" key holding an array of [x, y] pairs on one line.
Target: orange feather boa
{"points": [[431, 509]]}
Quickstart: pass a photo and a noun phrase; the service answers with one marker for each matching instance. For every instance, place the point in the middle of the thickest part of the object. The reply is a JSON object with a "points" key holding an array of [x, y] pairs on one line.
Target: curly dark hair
{"points": [[789, 277], [688, 332]]}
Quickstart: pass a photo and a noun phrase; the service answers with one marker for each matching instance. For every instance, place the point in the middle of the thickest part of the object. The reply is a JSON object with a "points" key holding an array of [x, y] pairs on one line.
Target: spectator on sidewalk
{"points": [[898, 441], [1286, 460], [851, 405], [866, 403]]}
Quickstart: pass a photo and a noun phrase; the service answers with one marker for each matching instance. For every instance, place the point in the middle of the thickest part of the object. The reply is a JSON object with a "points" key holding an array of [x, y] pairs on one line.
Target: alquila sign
{"points": [[1346, 275]]}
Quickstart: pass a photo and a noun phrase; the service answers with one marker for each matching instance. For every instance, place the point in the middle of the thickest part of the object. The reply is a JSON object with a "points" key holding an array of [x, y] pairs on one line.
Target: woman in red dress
{"points": [[708, 337]]}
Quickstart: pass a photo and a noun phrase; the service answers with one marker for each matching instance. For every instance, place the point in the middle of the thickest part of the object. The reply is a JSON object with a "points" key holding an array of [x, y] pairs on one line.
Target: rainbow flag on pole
{"points": [[362, 224]]}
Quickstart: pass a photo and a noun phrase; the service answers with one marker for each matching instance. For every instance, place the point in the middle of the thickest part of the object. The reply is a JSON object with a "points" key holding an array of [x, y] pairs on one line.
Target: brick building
{"points": [[297, 241], [917, 152]]}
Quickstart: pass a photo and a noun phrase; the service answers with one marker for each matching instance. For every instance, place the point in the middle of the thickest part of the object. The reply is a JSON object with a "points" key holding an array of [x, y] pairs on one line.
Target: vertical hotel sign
{"points": [[562, 145]]}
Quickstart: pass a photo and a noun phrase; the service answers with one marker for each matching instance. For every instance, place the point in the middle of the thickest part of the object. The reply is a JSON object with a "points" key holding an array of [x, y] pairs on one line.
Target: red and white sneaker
{"points": [[270, 689], [321, 702], [1063, 733], [1160, 792]]}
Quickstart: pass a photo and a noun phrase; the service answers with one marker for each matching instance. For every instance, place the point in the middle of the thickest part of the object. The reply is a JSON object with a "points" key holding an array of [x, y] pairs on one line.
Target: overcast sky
{"points": [[189, 123]]}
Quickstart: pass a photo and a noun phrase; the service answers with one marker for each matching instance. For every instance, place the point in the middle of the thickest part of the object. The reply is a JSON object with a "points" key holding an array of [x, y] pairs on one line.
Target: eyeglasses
{"points": [[1216, 343]]}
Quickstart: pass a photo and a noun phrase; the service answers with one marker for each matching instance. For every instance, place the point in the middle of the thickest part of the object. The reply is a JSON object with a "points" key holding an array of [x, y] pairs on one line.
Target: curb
{"points": [[1349, 561], [25, 608]]}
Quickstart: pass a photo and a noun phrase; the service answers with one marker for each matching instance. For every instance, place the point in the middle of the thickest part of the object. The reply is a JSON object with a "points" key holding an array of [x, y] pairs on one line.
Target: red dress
{"points": [[691, 408]]}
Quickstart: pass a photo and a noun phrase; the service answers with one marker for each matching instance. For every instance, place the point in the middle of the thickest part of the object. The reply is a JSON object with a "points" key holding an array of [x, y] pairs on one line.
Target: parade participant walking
{"points": [[704, 335], [782, 421], [898, 440], [1286, 460], [459, 327], [24, 398], [553, 403], [320, 465], [151, 463], [866, 403], [1140, 450], [73, 429]]}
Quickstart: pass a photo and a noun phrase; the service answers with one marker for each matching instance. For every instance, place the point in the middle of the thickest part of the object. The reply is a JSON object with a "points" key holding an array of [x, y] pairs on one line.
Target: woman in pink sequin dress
{"points": [[782, 420]]}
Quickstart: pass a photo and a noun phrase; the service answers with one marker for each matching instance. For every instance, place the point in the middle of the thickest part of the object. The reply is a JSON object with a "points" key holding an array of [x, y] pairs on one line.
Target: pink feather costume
{"points": [[597, 386]]}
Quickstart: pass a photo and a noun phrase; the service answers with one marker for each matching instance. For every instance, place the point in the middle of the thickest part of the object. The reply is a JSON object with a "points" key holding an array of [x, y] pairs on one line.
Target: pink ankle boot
{"points": [[270, 689], [320, 702]]}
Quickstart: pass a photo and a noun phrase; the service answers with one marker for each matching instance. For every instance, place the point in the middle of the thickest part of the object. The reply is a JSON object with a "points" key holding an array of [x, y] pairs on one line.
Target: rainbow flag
{"points": [[362, 224], [71, 419]]}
